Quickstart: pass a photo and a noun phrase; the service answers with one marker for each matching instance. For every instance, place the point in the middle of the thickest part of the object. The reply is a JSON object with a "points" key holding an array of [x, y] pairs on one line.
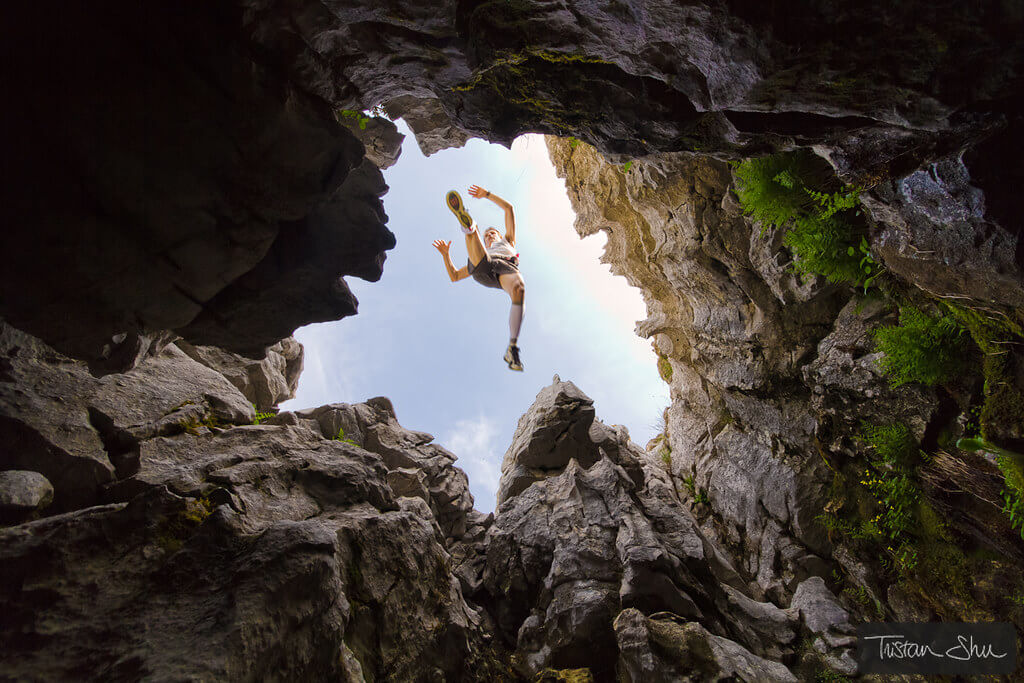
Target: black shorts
{"points": [[487, 271]]}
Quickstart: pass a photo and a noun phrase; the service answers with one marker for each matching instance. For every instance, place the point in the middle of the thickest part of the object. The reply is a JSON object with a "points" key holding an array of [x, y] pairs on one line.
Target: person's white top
{"points": [[501, 247]]}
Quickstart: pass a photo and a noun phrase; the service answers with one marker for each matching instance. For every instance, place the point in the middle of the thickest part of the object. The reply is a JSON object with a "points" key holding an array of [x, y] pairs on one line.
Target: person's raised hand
{"points": [[442, 246], [477, 191]]}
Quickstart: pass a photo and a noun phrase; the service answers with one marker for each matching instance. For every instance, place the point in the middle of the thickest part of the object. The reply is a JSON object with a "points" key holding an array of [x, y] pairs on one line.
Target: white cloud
{"points": [[326, 367], [474, 440]]}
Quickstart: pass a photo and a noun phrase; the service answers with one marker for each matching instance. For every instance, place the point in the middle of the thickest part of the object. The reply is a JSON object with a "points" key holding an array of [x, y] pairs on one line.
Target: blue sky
{"points": [[435, 348]]}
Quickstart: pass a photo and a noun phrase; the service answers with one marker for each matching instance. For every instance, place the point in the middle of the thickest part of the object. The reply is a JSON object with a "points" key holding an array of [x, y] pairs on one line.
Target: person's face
{"points": [[491, 236]]}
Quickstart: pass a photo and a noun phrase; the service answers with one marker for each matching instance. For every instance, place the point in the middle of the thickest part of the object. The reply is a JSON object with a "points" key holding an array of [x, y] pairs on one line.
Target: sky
{"points": [[435, 347]]}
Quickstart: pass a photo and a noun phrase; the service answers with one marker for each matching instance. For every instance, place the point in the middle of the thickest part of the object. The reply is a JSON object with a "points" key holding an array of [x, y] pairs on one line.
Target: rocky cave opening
{"points": [[184, 190]]}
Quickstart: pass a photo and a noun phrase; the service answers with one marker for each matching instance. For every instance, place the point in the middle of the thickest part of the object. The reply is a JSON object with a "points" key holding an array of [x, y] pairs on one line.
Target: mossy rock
{"points": [[564, 676], [665, 368]]}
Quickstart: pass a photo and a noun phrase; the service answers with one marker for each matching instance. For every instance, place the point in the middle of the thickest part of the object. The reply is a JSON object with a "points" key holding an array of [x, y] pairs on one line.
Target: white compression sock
{"points": [[470, 229], [515, 321]]}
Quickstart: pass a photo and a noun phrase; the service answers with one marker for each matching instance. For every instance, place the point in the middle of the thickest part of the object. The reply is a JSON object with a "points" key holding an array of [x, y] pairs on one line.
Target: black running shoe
{"points": [[512, 358]]}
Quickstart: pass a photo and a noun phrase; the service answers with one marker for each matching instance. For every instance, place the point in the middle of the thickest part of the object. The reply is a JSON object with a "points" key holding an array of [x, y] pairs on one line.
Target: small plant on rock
{"points": [[357, 117], [922, 348], [341, 437], [798, 192]]}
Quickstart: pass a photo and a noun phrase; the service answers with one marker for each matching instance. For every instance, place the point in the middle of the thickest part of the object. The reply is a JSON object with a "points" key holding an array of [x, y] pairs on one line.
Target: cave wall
{"points": [[182, 184], [773, 378], [196, 149]]}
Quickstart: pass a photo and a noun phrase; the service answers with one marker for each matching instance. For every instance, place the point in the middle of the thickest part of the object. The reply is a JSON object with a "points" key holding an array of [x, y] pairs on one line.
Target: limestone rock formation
{"points": [[603, 530], [776, 380], [265, 383], [338, 544], [23, 493], [203, 171], [280, 547], [203, 184], [660, 648]]}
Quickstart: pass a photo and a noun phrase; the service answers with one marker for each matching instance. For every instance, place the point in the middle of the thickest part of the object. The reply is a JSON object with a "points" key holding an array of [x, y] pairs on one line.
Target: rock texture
{"points": [[23, 493], [203, 172], [335, 543], [273, 547], [602, 535], [208, 188], [773, 379], [265, 383]]}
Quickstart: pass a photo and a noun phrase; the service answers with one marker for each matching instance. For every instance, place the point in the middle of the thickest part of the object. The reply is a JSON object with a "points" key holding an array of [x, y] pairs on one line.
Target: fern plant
{"points": [[798, 193], [893, 444], [921, 348]]}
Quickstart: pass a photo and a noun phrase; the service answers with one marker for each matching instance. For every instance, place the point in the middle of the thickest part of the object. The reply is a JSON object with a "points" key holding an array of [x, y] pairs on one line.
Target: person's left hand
{"points": [[477, 191]]}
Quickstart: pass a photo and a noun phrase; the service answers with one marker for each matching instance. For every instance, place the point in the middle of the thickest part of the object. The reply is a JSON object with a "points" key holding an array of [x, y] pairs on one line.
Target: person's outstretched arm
{"points": [[453, 273], [510, 216]]}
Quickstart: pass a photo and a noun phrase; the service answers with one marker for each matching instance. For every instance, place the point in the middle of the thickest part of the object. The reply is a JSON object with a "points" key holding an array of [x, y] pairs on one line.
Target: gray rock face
{"points": [[165, 206], [822, 615], [23, 492], [599, 535], [662, 648], [83, 433], [379, 136], [938, 235], [300, 279], [44, 427], [433, 128], [550, 434], [732, 323], [189, 217], [264, 383], [275, 547]]}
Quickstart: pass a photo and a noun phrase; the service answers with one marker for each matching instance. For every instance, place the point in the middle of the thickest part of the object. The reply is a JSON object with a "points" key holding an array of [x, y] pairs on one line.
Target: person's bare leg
{"points": [[475, 247], [516, 289]]}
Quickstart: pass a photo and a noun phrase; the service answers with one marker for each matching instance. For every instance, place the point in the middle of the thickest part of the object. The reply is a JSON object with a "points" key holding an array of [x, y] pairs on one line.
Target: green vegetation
{"points": [[698, 494], [893, 520], [340, 436], [260, 417], [666, 457], [921, 348], [174, 529], [1002, 411], [664, 368], [1011, 464], [798, 192], [357, 117], [626, 166], [191, 424], [893, 444], [574, 142]]}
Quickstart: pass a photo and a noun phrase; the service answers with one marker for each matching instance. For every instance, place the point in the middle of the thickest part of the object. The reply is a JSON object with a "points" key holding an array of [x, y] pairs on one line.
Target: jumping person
{"points": [[493, 261]]}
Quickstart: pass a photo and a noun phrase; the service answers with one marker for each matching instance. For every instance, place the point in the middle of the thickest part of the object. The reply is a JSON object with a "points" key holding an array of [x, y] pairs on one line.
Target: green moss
{"points": [[356, 117], [1002, 412], [665, 368], [174, 529], [519, 76], [564, 676]]}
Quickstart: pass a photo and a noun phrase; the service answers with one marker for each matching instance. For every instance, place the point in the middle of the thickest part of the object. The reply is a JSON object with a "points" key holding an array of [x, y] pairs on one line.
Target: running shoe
{"points": [[454, 202], [512, 358]]}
